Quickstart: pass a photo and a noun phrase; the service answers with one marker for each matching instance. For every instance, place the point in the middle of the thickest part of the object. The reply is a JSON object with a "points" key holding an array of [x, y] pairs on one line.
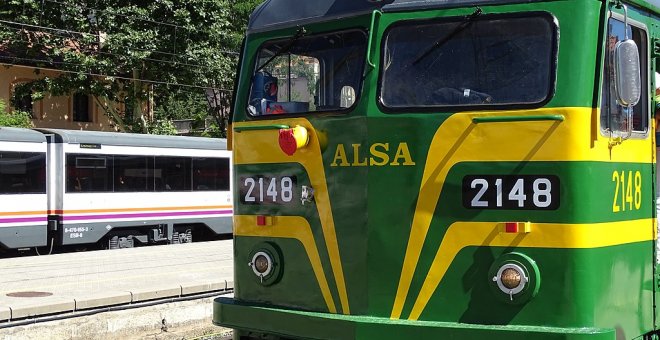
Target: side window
{"points": [[88, 173], [210, 174], [613, 119], [22, 172], [305, 74], [173, 173], [133, 173]]}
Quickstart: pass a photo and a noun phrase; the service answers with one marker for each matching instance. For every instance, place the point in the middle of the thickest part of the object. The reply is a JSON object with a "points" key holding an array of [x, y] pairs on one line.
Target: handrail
{"points": [[499, 119], [371, 36], [261, 127]]}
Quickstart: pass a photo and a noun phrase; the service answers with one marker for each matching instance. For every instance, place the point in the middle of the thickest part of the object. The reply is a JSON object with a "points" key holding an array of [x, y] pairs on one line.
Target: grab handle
{"points": [[499, 119], [261, 127], [372, 36]]}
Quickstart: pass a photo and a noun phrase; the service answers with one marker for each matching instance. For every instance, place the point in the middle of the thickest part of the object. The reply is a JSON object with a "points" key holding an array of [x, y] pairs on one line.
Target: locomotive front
{"points": [[451, 169]]}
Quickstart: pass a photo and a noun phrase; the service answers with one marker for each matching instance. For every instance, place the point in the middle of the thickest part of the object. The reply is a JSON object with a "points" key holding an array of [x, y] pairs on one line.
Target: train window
{"points": [[22, 172], [612, 117], [479, 61], [83, 162], [210, 174], [88, 173], [133, 173], [307, 73], [173, 173]]}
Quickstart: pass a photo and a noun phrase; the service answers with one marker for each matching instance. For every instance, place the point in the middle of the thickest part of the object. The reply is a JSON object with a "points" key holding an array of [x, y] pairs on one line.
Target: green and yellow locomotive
{"points": [[446, 169]]}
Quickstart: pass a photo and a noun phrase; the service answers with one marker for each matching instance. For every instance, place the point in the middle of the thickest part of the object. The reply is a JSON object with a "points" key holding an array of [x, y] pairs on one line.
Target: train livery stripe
{"points": [[16, 218], [466, 234], [23, 220], [22, 213], [264, 148], [459, 139], [293, 227], [85, 211], [67, 217]]}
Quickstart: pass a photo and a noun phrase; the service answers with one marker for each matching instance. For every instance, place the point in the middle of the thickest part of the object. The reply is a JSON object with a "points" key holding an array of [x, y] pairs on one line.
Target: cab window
{"points": [[305, 74], [476, 61]]}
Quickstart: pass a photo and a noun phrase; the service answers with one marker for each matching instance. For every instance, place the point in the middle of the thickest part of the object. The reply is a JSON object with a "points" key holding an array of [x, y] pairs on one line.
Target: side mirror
{"points": [[628, 84]]}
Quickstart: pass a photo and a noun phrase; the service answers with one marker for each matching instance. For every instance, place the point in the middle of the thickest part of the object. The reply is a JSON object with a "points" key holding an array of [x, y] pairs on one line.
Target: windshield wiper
{"points": [[467, 21], [301, 31]]}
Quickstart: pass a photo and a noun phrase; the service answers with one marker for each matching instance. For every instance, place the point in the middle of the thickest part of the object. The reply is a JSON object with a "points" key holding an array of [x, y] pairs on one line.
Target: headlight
{"points": [[514, 278], [266, 263]]}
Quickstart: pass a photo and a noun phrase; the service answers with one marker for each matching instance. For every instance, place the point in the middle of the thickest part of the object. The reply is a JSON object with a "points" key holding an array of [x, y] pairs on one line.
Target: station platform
{"points": [[38, 286]]}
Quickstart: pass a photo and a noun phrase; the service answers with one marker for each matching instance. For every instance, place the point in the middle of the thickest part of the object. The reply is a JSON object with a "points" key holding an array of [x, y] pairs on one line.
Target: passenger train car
{"points": [[117, 190], [446, 169]]}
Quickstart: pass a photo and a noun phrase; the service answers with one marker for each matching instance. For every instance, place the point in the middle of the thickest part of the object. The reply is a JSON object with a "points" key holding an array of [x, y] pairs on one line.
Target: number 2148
{"points": [[627, 191]]}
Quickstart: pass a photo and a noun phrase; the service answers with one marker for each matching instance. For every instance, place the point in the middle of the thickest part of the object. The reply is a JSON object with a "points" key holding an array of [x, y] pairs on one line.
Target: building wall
{"points": [[52, 111]]}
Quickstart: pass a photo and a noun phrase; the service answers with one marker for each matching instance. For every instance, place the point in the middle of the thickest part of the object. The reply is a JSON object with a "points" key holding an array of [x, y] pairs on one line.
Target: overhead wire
{"points": [[114, 54], [9, 23], [46, 61], [58, 32], [98, 74]]}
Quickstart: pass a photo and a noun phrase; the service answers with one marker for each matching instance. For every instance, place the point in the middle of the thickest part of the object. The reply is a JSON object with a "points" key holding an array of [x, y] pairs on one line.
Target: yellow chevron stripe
{"points": [[458, 139], [293, 227], [465, 234], [261, 146]]}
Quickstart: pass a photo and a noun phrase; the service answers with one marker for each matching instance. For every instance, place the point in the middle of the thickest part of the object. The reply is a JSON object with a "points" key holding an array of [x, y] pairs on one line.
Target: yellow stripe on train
{"points": [[460, 139], [261, 146], [541, 235]]}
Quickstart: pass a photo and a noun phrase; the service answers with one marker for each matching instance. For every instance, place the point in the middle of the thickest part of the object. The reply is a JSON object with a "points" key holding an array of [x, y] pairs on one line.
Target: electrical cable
{"points": [[93, 35], [118, 55], [98, 74]]}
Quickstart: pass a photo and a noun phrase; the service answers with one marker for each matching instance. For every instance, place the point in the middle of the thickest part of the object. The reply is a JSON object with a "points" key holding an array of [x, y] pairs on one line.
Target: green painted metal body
{"points": [[596, 292]]}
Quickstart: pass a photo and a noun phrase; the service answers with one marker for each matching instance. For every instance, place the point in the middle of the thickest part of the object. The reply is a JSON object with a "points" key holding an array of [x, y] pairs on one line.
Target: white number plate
{"points": [[513, 192], [265, 189]]}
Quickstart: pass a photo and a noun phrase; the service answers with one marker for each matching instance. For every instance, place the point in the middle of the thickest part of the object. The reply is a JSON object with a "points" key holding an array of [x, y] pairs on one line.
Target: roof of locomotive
{"points": [[11, 134], [277, 13], [135, 139]]}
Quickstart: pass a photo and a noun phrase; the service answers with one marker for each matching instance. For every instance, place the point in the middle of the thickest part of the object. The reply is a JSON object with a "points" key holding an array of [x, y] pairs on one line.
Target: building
{"points": [[76, 111]]}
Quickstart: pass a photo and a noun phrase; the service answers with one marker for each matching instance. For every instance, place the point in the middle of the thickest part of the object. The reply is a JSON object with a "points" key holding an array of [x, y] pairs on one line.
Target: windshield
{"points": [[486, 61], [308, 74]]}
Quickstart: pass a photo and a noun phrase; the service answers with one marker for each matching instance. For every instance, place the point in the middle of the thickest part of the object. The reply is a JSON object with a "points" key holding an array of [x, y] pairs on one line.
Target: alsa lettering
{"points": [[380, 154]]}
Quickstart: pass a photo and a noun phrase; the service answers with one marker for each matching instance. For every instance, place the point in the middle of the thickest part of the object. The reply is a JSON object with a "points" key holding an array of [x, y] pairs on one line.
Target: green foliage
{"points": [[240, 11], [182, 105], [215, 132], [162, 127], [14, 119], [104, 45]]}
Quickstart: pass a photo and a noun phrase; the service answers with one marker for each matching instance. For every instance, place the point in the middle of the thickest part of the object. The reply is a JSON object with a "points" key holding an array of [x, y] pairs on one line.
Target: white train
{"points": [[118, 190]]}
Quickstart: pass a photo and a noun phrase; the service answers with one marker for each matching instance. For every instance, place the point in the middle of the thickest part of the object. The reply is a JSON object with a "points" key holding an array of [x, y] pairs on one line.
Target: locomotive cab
{"points": [[445, 169]]}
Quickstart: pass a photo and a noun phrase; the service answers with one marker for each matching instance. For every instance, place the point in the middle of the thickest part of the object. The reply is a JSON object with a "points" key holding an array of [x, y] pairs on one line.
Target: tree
{"points": [[127, 53], [14, 119]]}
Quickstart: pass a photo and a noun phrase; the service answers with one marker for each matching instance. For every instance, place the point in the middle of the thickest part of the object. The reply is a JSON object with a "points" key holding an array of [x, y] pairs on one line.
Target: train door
{"points": [[627, 116], [654, 33], [655, 106]]}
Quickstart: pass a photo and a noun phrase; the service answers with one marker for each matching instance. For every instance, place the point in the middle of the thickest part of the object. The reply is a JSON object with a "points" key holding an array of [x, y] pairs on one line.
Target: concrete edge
{"points": [[5, 313], [103, 299], [197, 288], [36, 308], [139, 295]]}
